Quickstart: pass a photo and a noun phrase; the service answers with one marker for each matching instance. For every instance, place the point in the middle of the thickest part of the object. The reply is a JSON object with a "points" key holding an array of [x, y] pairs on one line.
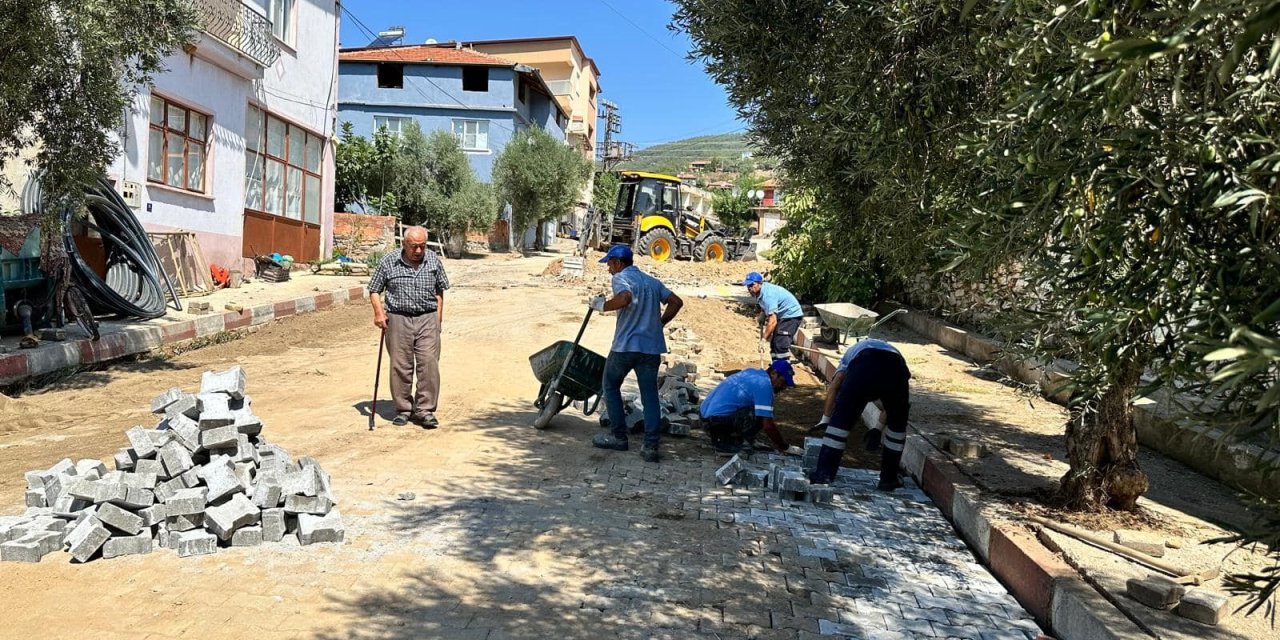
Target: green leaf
{"points": [[1226, 353]]}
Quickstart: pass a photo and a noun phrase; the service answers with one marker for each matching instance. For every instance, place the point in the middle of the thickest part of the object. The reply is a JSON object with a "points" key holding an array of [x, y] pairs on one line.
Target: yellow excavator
{"points": [[649, 216]]}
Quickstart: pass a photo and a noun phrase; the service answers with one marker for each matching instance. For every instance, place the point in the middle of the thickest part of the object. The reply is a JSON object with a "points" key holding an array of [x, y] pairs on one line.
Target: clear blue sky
{"points": [[643, 69]]}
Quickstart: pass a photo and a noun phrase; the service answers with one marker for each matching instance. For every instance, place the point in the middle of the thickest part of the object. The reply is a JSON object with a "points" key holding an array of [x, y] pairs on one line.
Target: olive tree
{"points": [[540, 177]]}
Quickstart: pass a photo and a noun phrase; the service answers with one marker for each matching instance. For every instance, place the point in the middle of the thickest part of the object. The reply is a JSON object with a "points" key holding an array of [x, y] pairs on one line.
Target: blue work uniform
{"points": [[863, 345], [733, 409], [638, 345], [775, 300]]}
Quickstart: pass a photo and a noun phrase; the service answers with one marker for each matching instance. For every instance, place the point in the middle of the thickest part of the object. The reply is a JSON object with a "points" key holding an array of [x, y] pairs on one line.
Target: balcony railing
{"points": [[240, 27]]}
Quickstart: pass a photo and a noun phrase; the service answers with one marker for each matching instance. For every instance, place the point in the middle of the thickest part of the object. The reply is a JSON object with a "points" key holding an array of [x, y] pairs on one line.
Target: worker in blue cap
{"points": [[644, 307], [782, 315], [741, 406]]}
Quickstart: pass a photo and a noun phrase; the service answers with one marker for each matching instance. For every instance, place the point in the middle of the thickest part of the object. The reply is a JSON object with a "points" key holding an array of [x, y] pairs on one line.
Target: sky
{"points": [[661, 96]]}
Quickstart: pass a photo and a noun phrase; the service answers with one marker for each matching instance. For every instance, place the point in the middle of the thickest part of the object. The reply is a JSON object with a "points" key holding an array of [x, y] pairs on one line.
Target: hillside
{"points": [[674, 157]]}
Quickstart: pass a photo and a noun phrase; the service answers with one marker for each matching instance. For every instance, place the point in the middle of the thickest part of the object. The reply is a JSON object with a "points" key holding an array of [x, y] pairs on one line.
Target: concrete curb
{"points": [[1046, 586], [140, 338], [1202, 448]]}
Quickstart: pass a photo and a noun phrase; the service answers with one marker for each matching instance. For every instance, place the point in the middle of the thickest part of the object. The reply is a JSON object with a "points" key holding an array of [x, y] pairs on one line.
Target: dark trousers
{"points": [[783, 335], [737, 428], [875, 374], [616, 368]]}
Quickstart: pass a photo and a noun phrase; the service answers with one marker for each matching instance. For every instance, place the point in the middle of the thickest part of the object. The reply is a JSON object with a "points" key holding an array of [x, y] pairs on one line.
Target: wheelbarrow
{"points": [[843, 319], [568, 373]]}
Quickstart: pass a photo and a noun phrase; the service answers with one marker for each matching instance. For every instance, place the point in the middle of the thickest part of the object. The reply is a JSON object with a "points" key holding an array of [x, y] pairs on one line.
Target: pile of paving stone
{"points": [[787, 476], [203, 478]]}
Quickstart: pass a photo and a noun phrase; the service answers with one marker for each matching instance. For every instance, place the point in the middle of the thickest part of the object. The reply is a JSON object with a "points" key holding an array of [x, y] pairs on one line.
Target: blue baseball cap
{"points": [[619, 251], [784, 369], [752, 278]]}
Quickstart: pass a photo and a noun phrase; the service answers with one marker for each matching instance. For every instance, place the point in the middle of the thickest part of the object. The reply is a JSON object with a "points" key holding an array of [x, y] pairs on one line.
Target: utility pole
{"points": [[612, 151]]}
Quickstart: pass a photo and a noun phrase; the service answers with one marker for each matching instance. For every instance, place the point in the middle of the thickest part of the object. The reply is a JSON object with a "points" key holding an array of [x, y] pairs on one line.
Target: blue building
{"points": [[483, 99]]}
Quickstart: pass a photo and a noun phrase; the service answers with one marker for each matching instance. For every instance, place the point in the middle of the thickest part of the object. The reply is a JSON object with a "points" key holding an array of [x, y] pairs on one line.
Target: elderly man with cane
{"points": [[407, 294]]}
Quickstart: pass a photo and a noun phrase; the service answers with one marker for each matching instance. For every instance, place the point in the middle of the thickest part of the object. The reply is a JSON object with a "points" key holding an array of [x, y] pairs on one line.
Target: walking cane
{"points": [[377, 377]]}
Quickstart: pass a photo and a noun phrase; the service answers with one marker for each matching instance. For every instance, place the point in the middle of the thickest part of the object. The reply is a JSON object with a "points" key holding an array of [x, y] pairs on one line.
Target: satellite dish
{"points": [[430, 41]]}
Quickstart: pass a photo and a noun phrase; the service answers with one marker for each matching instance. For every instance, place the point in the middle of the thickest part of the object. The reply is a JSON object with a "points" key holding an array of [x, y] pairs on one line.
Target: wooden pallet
{"points": [[183, 261]]}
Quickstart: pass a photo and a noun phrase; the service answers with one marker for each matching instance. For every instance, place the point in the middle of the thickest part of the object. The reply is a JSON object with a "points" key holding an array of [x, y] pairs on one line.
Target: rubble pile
{"points": [[203, 478], [787, 476]]}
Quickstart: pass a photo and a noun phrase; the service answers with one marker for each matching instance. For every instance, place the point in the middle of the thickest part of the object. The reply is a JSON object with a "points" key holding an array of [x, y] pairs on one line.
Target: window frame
{"points": [[263, 155], [164, 130], [289, 23], [400, 122], [462, 137]]}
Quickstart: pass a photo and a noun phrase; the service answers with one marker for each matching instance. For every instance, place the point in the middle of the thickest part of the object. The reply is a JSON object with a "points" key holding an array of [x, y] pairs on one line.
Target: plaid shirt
{"points": [[409, 290]]}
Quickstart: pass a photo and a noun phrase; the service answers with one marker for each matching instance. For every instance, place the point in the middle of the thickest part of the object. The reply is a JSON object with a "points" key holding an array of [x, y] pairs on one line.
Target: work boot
{"points": [[727, 447], [608, 441], [650, 454], [824, 472], [889, 461]]}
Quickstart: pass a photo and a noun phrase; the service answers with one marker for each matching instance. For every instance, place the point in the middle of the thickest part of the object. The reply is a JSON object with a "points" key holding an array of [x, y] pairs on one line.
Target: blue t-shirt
{"points": [[747, 389], [640, 323], [776, 300], [864, 345]]}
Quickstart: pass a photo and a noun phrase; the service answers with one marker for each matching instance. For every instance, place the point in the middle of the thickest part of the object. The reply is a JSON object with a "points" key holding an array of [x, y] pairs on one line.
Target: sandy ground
{"points": [[310, 378]]}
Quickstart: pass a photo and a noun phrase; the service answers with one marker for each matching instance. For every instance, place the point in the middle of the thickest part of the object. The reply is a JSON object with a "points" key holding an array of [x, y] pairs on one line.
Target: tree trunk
{"points": [[539, 239], [1102, 448]]}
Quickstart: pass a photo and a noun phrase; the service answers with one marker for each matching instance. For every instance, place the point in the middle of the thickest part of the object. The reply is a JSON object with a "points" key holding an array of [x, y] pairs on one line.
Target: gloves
{"points": [[762, 346], [597, 303], [794, 451]]}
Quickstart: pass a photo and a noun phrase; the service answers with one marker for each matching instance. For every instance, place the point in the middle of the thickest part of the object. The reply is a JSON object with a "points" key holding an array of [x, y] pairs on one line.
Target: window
{"points": [[475, 78], [472, 134], [390, 75], [390, 123], [177, 146], [282, 168], [280, 13], [522, 91]]}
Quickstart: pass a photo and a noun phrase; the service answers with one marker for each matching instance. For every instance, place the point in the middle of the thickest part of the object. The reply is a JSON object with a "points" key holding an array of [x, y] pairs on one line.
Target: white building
{"points": [[233, 141]]}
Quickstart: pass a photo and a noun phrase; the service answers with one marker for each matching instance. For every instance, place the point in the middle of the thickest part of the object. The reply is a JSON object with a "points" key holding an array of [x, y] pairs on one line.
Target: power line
{"points": [[642, 30]]}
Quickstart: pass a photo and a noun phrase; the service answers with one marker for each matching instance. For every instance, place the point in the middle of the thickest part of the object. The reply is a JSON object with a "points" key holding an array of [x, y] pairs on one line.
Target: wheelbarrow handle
{"points": [[564, 366]]}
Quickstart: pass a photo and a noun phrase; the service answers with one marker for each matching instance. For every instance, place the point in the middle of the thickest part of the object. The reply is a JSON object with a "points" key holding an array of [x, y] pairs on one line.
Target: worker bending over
{"points": [[741, 407], [782, 315], [874, 372]]}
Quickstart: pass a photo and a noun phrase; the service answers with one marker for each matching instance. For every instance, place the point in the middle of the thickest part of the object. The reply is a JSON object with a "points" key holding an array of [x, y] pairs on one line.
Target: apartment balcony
{"points": [[239, 38]]}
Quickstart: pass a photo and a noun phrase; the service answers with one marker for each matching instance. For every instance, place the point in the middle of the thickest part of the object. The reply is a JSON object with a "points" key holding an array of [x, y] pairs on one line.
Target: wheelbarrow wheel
{"points": [[550, 407]]}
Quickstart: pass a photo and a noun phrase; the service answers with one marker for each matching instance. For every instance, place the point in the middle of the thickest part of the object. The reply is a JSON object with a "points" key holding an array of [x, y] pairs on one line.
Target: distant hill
{"points": [[674, 157]]}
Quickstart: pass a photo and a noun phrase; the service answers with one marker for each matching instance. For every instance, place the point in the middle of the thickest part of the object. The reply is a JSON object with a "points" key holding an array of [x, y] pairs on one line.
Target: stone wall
{"points": [[358, 235]]}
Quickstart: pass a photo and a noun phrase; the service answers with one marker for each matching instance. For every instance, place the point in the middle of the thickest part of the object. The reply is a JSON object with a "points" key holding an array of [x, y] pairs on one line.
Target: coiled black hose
{"points": [[135, 283]]}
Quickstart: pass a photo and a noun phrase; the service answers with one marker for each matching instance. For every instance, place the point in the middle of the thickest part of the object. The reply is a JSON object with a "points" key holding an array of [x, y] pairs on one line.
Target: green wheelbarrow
{"points": [[568, 373]]}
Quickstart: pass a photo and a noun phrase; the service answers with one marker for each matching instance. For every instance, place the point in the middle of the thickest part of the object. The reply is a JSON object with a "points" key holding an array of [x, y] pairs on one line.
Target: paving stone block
{"points": [[31, 547], [220, 476], [153, 515], [1150, 544], [106, 492], [35, 498], [127, 546], [185, 431], [176, 458], [189, 405], [162, 402], [301, 483], [165, 490], [86, 538], [223, 520], [136, 498], [726, 473], [250, 536], [162, 535], [1154, 591], [119, 519], [159, 437], [305, 504], [195, 543], [185, 522], [137, 480], [141, 443], [313, 528], [273, 526], [151, 466], [246, 422], [87, 466], [244, 473], [187, 502], [821, 494], [124, 459], [219, 437], [215, 413], [1202, 605], [244, 451], [794, 481], [68, 506], [230, 382], [63, 467]]}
